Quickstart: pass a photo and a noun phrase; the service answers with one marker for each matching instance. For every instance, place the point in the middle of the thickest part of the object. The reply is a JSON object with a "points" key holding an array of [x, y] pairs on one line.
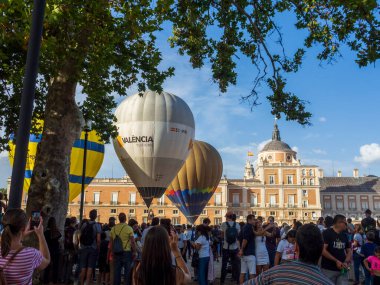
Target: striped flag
{"points": [[250, 153]]}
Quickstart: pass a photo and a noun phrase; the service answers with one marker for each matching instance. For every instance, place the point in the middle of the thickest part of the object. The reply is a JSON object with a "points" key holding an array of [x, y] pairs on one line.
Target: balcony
{"points": [[254, 205], [291, 206], [353, 209], [218, 204], [95, 203], [114, 203], [161, 203], [235, 204], [272, 205], [132, 203]]}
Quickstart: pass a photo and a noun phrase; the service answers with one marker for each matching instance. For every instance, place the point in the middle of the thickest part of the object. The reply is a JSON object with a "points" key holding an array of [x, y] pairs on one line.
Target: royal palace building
{"points": [[279, 185]]}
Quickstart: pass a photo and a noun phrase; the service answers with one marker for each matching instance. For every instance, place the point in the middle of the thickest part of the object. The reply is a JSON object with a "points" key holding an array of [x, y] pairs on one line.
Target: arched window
{"points": [[304, 181], [311, 172], [303, 172], [312, 181]]}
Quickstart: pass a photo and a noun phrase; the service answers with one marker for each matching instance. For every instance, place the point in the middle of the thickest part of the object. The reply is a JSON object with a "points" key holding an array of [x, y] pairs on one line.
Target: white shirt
{"points": [[204, 251], [181, 240], [287, 249]]}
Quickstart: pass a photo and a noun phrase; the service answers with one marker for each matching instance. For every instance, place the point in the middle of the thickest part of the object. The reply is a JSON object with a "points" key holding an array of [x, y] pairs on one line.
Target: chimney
{"points": [[356, 173], [339, 173], [321, 174]]}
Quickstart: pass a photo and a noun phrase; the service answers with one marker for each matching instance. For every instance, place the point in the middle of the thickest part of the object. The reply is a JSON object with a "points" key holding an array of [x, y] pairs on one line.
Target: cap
{"points": [[229, 214]]}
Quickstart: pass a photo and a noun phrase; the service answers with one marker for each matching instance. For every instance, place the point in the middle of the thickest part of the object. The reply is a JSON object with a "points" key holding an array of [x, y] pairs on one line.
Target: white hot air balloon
{"points": [[155, 134]]}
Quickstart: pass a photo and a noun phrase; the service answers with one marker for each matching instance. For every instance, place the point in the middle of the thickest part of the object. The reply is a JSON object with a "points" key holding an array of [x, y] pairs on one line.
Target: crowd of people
{"points": [[258, 251]]}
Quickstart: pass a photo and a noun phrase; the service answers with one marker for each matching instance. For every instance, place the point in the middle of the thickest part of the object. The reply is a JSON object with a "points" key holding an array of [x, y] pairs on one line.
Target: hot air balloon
{"points": [[155, 135], [197, 180], [95, 155]]}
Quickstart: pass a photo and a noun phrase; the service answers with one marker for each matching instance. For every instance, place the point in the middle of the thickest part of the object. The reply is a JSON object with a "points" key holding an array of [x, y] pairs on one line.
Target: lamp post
{"points": [[87, 129], [27, 103]]}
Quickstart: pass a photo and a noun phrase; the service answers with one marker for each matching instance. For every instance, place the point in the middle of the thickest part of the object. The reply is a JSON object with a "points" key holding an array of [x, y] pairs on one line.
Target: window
{"points": [[217, 221], [235, 200], [306, 214], [312, 181], [311, 172], [271, 179], [161, 212], [290, 179], [218, 199], [132, 199], [314, 215], [204, 212], [304, 193], [269, 157], [339, 203], [131, 211], [253, 200], [303, 172], [96, 198], [327, 204], [272, 199], [303, 181], [254, 213], [272, 213], [364, 203], [146, 211], [113, 211], [291, 213], [305, 204], [145, 219], [288, 157], [175, 212], [175, 221], [376, 204], [217, 212], [351, 203], [114, 197], [161, 201], [291, 199]]}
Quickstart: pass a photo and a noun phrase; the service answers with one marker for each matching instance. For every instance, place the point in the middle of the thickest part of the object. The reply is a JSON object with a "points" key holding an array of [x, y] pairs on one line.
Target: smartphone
{"points": [[35, 220]]}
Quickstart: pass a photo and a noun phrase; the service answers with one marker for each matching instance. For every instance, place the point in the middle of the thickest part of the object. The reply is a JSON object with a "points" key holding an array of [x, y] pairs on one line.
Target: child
{"points": [[285, 249], [104, 268], [374, 260], [367, 250]]}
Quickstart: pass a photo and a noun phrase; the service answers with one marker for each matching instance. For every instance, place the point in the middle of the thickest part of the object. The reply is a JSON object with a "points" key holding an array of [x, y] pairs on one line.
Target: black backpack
{"points": [[87, 235], [117, 244], [231, 233]]}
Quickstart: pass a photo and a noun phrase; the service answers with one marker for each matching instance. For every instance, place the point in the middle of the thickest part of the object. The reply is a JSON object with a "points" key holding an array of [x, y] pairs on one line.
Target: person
{"points": [[189, 234], [262, 256], [328, 222], [350, 230], [124, 258], [336, 254], [247, 250], [156, 266], [104, 268], [215, 235], [272, 240], [374, 261], [206, 222], [155, 222], [89, 244], [69, 255], [283, 227], [52, 236], [367, 250], [17, 262], [107, 227], [320, 224], [202, 245], [230, 231], [358, 240], [368, 223], [3, 208], [286, 248], [182, 241], [305, 270]]}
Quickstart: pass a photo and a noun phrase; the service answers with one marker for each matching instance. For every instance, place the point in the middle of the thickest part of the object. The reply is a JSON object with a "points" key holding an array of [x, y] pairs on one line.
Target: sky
{"points": [[343, 99]]}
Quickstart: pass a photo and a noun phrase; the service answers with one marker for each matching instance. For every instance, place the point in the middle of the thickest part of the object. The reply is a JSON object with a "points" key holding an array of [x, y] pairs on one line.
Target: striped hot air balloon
{"points": [[197, 180], [155, 135], [95, 155]]}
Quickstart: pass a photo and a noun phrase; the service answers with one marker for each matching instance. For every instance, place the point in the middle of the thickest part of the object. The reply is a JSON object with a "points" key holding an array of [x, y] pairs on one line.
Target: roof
{"points": [[350, 184]]}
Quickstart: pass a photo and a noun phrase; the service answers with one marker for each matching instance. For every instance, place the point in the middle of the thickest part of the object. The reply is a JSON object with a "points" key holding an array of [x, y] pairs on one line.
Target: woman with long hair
{"points": [[17, 262], [262, 256], [52, 236], [202, 245], [156, 265]]}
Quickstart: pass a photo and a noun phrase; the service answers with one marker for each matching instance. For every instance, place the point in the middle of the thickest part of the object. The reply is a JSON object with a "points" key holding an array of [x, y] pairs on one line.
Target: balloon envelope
{"points": [[155, 135], [197, 180], [95, 155]]}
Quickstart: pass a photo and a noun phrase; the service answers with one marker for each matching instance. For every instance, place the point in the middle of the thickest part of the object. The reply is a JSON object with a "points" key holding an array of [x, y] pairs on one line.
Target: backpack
{"points": [[117, 243], [3, 281], [87, 234], [231, 233]]}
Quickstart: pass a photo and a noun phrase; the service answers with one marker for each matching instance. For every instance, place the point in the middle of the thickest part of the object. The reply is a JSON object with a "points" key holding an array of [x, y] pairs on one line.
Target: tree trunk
{"points": [[49, 189]]}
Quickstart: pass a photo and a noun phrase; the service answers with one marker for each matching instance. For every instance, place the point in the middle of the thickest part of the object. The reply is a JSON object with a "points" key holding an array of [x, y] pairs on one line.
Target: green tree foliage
{"points": [[107, 46]]}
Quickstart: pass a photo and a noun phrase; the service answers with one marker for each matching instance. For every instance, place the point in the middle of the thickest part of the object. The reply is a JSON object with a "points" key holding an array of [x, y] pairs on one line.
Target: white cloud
{"points": [[369, 153], [322, 119], [261, 145], [295, 148], [319, 151]]}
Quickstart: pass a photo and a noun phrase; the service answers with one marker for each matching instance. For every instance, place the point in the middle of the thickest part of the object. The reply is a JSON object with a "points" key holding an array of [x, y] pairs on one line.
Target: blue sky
{"points": [[344, 101]]}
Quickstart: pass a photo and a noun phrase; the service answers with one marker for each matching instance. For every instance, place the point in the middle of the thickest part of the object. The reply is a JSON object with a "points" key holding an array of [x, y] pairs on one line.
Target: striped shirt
{"points": [[295, 273], [21, 268]]}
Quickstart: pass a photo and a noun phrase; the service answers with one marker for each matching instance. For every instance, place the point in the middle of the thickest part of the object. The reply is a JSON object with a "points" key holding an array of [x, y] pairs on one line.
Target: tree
{"points": [[107, 46]]}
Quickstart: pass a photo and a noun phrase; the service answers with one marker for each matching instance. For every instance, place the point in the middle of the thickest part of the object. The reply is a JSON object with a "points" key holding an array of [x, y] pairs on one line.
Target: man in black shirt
{"points": [[247, 250], [368, 223], [336, 253]]}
